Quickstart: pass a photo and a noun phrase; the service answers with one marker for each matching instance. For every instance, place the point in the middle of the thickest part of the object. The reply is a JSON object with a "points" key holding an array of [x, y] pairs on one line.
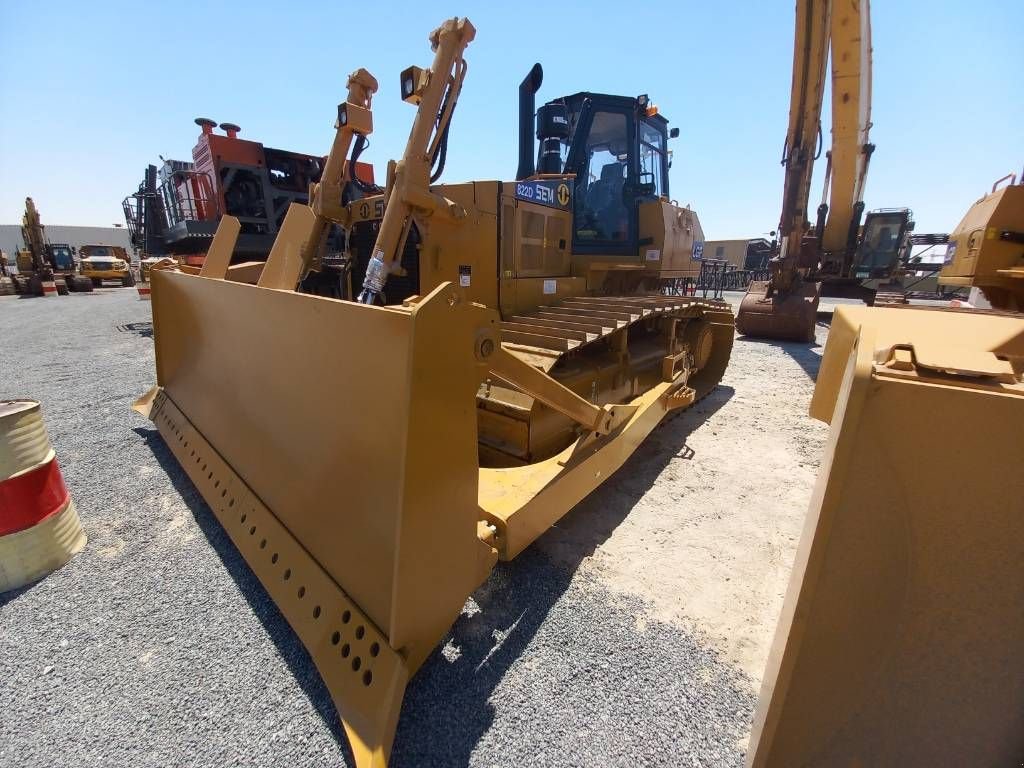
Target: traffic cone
{"points": [[39, 526]]}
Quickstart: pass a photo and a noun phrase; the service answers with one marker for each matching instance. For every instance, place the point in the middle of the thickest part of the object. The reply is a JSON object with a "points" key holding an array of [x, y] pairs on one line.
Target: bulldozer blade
{"points": [[312, 427], [769, 314], [900, 635]]}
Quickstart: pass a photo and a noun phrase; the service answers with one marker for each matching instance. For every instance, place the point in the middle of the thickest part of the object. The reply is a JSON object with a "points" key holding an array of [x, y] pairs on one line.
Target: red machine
{"points": [[178, 206]]}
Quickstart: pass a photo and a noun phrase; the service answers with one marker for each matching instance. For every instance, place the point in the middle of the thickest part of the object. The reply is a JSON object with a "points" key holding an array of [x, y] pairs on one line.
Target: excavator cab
{"points": [[883, 244]]}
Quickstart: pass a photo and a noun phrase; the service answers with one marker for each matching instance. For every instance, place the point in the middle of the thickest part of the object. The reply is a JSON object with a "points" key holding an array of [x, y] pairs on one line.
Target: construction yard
{"points": [[635, 632]]}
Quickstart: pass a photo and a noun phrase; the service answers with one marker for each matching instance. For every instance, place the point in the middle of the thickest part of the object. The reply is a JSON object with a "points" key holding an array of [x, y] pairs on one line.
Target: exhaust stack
{"points": [[206, 124], [527, 89]]}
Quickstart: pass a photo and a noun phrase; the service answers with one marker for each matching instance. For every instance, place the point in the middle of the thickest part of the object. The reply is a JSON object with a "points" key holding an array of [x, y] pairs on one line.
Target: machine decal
{"points": [[653, 254], [365, 213], [563, 194], [550, 286], [549, 192], [465, 275], [698, 250]]}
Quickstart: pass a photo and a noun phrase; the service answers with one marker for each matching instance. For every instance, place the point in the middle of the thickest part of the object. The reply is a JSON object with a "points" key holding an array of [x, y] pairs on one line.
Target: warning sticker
{"points": [[465, 275], [550, 286], [653, 254]]}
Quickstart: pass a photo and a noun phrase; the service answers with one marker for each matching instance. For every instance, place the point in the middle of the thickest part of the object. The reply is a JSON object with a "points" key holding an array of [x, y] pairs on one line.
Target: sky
{"points": [[90, 93]]}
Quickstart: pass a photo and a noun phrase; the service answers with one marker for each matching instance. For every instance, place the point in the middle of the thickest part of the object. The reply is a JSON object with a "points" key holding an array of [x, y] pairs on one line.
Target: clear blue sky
{"points": [[90, 92]]}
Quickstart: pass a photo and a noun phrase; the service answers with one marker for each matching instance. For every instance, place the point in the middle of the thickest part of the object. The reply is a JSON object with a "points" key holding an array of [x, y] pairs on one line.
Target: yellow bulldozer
{"points": [[498, 351]]}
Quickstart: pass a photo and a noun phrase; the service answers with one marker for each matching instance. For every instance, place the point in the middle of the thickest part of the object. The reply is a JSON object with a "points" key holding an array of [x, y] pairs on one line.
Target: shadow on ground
{"points": [[447, 708], [142, 328]]}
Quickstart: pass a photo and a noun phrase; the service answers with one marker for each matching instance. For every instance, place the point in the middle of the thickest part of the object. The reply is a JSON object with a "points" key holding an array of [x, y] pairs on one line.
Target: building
{"points": [[741, 254], [11, 240]]}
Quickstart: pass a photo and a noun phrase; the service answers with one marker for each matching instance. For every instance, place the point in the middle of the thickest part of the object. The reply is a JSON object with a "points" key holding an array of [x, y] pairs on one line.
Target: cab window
{"points": [[652, 162], [601, 211]]}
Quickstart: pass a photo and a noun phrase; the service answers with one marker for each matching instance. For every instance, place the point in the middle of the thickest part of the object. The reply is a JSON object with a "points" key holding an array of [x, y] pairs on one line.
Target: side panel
{"points": [[899, 641], [975, 251], [673, 232], [463, 252]]}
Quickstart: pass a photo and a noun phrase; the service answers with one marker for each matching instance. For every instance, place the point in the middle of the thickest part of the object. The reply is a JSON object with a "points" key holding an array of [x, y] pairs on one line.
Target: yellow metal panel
{"points": [[364, 675], [672, 231], [223, 246], [285, 262], [951, 328], [528, 293], [978, 256], [248, 367], [900, 637]]}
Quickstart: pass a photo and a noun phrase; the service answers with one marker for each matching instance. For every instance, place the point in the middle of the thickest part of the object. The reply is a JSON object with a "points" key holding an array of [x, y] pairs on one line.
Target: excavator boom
{"points": [[785, 306]]}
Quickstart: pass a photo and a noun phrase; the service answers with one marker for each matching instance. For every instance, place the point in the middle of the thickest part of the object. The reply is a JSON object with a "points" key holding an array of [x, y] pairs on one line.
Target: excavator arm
{"points": [[810, 54], [848, 159], [785, 306]]}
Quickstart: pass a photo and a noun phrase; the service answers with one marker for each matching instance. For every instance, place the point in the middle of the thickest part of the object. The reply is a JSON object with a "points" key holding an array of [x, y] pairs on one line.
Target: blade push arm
{"points": [[436, 90], [297, 247]]}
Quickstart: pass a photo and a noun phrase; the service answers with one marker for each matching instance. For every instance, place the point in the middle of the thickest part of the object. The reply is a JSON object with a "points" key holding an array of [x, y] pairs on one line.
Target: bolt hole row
{"points": [[346, 616]]}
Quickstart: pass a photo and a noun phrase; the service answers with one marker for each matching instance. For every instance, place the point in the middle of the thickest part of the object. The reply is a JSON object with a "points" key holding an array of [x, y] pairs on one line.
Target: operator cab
{"points": [[885, 242], [617, 148], [62, 257]]}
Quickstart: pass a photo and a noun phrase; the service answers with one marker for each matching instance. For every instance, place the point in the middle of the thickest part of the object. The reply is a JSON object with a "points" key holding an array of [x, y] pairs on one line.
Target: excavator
{"points": [[499, 350], [44, 268], [837, 254]]}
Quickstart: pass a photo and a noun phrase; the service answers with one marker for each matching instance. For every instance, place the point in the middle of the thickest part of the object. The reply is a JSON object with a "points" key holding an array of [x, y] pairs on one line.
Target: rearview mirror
{"points": [[673, 133]]}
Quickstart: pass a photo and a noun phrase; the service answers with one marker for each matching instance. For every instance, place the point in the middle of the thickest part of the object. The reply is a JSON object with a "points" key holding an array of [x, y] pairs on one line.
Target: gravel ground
{"points": [[157, 646]]}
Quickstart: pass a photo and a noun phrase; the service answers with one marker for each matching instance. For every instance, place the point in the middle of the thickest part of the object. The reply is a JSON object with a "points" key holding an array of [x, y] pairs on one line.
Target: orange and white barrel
{"points": [[39, 526], [49, 287]]}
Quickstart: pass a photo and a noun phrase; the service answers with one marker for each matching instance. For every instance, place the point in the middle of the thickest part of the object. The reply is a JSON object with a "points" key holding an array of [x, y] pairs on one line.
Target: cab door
{"points": [[604, 203]]}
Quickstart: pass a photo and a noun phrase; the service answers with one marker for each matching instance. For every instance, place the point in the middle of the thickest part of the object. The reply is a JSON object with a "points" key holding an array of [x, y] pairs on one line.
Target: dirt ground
{"points": [[704, 520]]}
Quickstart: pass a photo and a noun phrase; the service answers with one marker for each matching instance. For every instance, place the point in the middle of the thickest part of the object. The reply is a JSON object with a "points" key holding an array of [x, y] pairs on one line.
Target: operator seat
{"points": [[604, 200]]}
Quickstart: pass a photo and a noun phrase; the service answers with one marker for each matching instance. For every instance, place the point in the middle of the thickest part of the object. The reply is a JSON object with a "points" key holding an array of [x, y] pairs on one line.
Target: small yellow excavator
{"points": [[499, 350], [836, 255], [43, 265]]}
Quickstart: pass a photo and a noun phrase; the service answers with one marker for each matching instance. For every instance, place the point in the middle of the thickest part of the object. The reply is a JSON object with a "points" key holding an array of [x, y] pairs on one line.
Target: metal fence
{"points": [[715, 277]]}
